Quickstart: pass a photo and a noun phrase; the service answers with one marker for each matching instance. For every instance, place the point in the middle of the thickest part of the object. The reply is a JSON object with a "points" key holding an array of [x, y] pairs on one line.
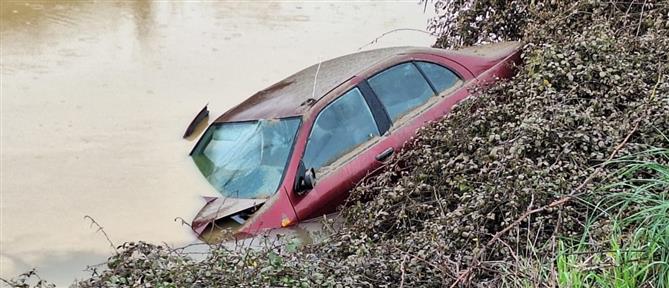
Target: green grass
{"points": [[635, 253]]}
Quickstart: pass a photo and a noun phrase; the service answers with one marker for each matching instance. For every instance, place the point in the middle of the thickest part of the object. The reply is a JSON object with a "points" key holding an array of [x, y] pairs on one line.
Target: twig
{"points": [[7, 282], [462, 277], [513, 253], [183, 222], [638, 28], [101, 229], [404, 259], [393, 31], [423, 260]]}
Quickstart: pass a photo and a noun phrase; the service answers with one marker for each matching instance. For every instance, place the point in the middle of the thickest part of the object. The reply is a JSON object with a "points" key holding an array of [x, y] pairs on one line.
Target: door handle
{"points": [[385, 154]]}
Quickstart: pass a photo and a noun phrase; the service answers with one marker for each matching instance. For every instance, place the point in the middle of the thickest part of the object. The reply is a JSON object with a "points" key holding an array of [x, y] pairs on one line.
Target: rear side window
{"points": [[339, 128], [400, 89], [441, 77]]}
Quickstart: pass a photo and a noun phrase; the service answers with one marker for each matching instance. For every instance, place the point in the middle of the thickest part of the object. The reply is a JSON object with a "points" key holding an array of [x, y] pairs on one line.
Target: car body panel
{"points": [[290, 97], [277, 212], [475, 66], [220, 207]]}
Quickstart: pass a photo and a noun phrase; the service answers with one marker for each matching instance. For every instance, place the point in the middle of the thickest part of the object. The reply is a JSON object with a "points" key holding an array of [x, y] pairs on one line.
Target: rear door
{"points": [[414, 93]]}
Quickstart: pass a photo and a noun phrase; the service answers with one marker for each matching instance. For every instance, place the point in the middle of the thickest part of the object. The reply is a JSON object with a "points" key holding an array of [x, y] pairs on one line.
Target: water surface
{"points": [[96, 95]]}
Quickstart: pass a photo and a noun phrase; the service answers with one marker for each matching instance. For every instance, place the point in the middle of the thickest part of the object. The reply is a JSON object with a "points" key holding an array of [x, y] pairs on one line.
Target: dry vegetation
{"points": [[558, 177]]}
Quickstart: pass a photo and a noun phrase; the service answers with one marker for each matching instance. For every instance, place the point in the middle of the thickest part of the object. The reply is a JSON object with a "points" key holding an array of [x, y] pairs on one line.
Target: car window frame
{"points": [[379, 116], [460, 78], [420, 72], [434, 99]]}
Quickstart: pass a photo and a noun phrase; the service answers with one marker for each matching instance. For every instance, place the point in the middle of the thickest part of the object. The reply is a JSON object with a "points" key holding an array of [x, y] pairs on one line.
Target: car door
{"points": [[342, 149], [414, 93]]}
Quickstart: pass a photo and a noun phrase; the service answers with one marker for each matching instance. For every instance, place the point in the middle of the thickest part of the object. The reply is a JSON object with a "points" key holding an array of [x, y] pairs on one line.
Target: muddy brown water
{"points": [[96, 95]]}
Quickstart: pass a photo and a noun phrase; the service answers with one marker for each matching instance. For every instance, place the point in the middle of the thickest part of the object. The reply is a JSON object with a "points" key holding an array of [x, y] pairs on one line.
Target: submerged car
{"points": [[293, 151]]}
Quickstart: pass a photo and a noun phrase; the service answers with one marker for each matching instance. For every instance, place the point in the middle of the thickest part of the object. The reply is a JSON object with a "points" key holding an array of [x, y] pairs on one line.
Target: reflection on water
{"points": [[95, 97]]}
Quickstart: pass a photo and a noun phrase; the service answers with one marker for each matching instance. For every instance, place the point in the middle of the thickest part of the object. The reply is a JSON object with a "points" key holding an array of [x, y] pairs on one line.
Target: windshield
{"points": [[246, 159]]}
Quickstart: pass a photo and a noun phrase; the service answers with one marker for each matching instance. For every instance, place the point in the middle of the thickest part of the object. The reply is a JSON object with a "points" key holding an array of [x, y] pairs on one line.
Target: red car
{"points": [[293, 151]]}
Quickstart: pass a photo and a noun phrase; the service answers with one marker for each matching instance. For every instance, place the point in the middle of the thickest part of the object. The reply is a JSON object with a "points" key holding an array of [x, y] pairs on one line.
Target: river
{"points": [[95, 96]]}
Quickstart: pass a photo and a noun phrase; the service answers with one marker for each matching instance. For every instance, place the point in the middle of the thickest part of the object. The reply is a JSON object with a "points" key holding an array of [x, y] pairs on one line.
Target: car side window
{"points": [[340, 127], [441, 77], [400, 89]]}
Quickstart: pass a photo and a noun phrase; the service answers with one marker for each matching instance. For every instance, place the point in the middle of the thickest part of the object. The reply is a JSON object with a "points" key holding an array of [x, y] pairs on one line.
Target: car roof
{"points": [[291, 96], [295, 95]]}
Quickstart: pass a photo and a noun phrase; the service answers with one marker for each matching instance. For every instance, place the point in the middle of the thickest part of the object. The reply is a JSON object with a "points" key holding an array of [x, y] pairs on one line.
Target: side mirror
{"points": [[309, 180], [305, 180]]}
